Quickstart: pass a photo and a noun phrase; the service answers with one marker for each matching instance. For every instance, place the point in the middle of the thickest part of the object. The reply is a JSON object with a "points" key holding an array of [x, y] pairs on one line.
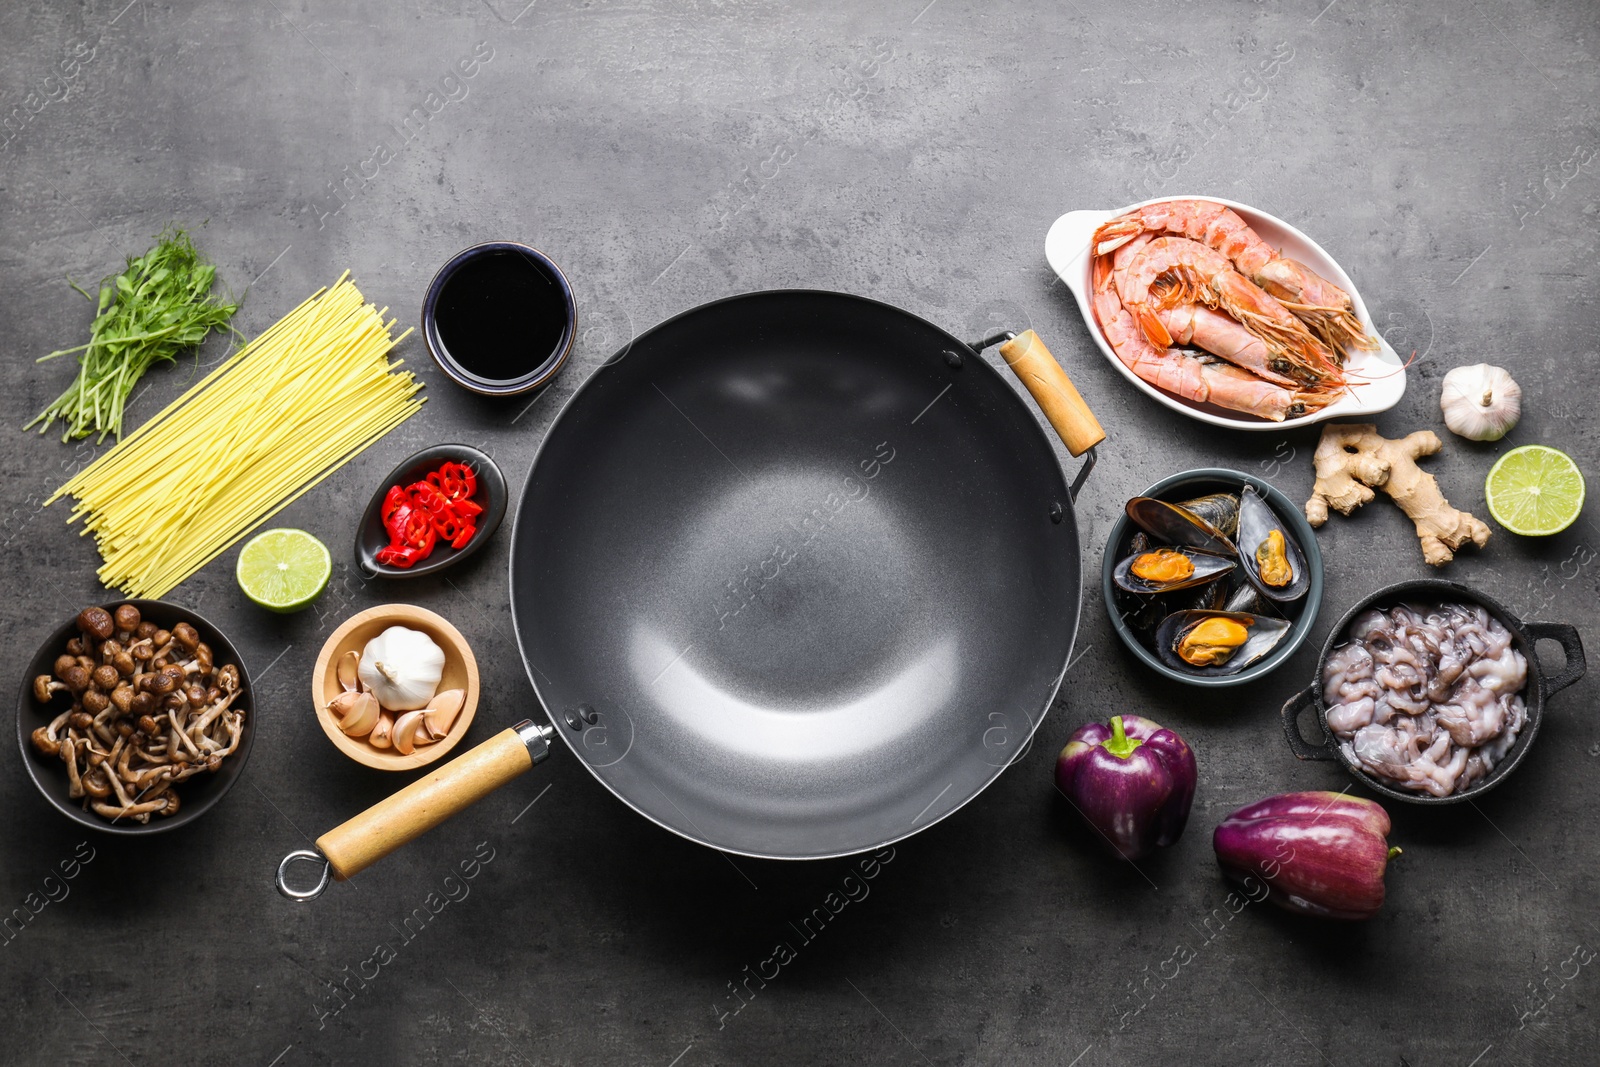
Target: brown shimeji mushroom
{"points": [[76, 677], [150, 708], [186, 636], [127, 618], [47, 738], [96, 623]]}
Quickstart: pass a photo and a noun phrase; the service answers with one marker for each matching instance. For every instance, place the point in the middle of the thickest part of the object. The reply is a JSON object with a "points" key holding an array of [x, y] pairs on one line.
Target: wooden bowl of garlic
{"points": [[395, 687]]}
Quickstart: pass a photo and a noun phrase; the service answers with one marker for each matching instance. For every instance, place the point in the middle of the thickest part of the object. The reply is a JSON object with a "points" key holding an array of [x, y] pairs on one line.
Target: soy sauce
{"points": [[501, 315]]}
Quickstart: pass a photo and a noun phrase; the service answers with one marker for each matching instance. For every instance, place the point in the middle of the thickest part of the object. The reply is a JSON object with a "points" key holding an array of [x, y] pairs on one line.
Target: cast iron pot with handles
{"points": [[796, 575], [1542, 684]]}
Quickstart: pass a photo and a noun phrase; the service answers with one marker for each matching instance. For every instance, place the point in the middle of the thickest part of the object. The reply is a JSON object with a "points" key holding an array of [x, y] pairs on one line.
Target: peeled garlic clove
{"points": [[442, 712], [382, 735], [362, 715], [349, 665], [405, 732]]}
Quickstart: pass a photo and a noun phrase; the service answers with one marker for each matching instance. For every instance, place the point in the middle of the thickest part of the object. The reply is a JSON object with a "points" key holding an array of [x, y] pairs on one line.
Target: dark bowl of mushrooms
{"points": [[135, 717]]}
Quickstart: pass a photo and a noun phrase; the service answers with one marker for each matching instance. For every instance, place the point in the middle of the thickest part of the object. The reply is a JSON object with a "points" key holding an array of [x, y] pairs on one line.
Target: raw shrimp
{"points": [[1198, 325], [1321, 305], [1187, 374], [1174, 270]]}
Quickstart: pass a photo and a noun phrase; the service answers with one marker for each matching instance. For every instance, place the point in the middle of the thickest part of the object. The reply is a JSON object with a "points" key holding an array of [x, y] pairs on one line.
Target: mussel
{"points": [[1244, 596], [1209, 597], [1177, 525], [1163, 569], [1268, 553], [1217, 642], [1143, 613], [1221, 510]]}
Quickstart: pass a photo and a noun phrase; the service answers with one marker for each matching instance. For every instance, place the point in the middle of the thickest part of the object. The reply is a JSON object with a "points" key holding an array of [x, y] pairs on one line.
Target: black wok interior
{"points": [[792, 555]]}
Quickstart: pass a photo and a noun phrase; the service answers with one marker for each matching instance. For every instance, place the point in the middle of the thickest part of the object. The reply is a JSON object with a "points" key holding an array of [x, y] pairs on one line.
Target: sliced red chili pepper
{"points": [[455, 480], [395, 522], [469, 478], [420, 515], [398, 556], [392, 500], [447, 525], [428, 495], [419, 532]]}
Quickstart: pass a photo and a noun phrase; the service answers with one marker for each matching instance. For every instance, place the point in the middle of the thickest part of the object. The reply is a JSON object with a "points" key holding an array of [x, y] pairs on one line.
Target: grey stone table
{"points": [[667, 152]]}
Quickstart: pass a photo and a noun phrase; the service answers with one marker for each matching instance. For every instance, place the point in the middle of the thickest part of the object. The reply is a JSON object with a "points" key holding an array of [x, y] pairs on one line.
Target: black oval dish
{"points": [[545, 366], [198, 795], [491, 494], [1542, 684]]}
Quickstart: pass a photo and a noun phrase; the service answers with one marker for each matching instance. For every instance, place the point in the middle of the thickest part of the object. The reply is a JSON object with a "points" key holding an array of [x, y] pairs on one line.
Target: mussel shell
{"points": [[1245, 597], [1265, 635], [1207, 568], [1219, 509], [1143, 613], [1176, 525], [1256, 521], [1209, 597]]}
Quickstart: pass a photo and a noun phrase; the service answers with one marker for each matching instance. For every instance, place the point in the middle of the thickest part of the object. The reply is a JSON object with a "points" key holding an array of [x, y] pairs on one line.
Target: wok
{"points": [[795, 575]]}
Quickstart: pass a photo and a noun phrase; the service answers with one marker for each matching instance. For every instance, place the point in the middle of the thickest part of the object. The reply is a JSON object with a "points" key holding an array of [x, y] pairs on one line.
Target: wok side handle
{"points": [[1571, 646], [1297, 706], [419, 807], [1053, 391]]}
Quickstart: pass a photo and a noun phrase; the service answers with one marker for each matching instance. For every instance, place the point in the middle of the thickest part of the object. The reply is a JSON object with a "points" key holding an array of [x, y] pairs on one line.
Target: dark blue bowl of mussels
{"points": [[1212, 577]]}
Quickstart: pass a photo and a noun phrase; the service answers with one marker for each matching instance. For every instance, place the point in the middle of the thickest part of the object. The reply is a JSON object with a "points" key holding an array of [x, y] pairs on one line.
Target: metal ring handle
{"points": [[304, 894], [1292, 711], [1571, 645]]}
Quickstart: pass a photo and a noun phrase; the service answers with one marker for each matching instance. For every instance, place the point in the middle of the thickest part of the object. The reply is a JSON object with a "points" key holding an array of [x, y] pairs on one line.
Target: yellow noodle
{"points": [[293, 406]]}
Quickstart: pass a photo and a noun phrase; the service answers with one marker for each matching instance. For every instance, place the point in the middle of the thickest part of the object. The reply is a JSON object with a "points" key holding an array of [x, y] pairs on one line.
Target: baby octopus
{"points": [[1428, 699]]}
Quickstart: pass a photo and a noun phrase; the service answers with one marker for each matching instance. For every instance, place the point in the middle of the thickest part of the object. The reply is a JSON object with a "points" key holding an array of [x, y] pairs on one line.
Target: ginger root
{"points": [[1354, 459]]}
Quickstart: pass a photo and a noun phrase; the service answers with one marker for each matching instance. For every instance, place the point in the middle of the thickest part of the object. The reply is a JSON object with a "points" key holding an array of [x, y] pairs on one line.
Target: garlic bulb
{"points": [[402, 668], [1480, 402]]}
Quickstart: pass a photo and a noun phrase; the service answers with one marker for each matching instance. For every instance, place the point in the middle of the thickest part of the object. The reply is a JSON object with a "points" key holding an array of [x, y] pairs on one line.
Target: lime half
{"points": [[284, 570], [1534, 491]]}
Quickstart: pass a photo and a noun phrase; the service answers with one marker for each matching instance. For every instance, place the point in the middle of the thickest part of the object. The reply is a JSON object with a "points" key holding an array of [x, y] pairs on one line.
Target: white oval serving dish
{"points": [[1380, 373]]}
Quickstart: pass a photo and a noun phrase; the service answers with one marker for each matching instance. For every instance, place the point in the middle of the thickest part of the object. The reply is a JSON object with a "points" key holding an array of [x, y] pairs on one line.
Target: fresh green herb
{"points": [[159, 306]]}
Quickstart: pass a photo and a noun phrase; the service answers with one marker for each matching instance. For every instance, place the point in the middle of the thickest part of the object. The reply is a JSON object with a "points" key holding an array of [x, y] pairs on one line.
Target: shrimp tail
{"points": [[1116, 233]]}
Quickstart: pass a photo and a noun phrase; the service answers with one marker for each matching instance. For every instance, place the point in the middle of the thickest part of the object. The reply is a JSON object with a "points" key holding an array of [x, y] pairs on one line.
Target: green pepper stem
{"points": [[1119, 744]]}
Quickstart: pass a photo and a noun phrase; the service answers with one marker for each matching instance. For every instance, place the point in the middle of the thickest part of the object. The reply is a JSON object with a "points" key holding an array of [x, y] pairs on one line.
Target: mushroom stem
{"points": [[130, 810], [206, 715], [69, 755], [179, 736]]}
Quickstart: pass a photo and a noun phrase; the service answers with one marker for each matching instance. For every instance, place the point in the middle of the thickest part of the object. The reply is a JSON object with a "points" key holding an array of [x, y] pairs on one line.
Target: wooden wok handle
{"points": [[1053, 391], [432, 799]]}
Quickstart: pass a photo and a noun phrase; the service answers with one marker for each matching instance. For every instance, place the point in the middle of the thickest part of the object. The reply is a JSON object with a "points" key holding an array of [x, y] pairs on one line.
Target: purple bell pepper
{"points": [[1133, 781], [1320, 854]]}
